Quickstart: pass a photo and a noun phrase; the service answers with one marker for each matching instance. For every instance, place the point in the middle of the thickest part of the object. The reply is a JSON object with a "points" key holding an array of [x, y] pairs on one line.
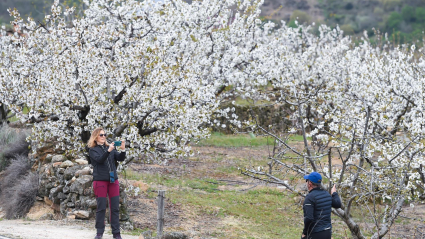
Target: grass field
{"points": [[218, 139], [245, 210], [261, 212]]}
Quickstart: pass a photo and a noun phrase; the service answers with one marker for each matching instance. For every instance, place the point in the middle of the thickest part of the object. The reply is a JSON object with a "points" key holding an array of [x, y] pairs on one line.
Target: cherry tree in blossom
{"points": [[152, 73], [359, 111]]}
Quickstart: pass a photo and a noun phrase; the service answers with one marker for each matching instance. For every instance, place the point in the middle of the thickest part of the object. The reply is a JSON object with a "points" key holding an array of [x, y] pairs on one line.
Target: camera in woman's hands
{"points": [[117, 143]]}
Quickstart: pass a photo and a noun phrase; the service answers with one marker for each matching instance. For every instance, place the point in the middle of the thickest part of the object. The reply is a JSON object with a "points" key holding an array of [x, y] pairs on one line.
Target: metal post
{"points": [[160, 226]]}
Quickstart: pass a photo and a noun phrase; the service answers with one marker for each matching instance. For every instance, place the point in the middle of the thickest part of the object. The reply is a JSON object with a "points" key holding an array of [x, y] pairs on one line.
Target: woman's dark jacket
{"points": [[100, 157], [317, 210]]}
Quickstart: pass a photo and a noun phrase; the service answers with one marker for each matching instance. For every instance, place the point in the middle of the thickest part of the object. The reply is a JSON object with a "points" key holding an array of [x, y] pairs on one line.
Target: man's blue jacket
{"points": [[317, 210]]}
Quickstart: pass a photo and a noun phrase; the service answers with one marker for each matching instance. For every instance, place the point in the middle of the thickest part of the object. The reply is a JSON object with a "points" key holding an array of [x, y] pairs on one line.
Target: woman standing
{"points": [[105, 180]]}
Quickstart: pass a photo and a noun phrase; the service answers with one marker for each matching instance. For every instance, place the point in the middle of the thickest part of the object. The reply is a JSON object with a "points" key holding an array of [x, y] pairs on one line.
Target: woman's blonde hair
{"points": [[92, 141]]}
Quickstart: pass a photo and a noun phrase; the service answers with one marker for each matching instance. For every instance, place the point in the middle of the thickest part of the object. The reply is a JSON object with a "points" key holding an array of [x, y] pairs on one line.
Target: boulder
{"points": [[62, 196], [174, 235], [40, 210], [88, 192], [58, 158], [82, 214], [81, 183], [70, 172], [88, 202], [65, 189], [81, 161], [48, 158], [85, 171], [54, 191], [47, 216], [66, 164]]}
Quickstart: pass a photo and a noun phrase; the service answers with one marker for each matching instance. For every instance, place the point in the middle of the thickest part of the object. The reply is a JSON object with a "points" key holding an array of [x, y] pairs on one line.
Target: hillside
{"points": [[405, 19]]}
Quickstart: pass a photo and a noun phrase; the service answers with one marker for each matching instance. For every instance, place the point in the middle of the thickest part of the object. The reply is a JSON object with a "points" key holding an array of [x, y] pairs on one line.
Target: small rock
{"points": [[48, 158], [67, 164], [57, 164], [61, 195], [71, 217], [174, 235], [81, 183], [47, 216], [88, 202], [58, 158], [128, 226], [70, 172], [142, 186], [48, 201], [65, 189], [81, 214], [146, 235], [61, 170], [82, 172], [81, 161], [54, 191], [56, 207]]}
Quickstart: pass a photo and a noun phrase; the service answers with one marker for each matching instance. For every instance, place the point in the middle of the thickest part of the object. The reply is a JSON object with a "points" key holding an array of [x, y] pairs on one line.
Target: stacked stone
{"points": [[67, 186]]}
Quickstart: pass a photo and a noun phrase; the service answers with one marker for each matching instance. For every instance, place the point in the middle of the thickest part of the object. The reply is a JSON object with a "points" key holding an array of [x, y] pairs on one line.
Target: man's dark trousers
{"points": [[327, 234]]}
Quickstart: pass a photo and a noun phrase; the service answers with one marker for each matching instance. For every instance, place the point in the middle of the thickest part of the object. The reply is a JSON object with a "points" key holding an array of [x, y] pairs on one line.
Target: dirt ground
{"points": [[178, 217], [51, 229], [204, 165]]}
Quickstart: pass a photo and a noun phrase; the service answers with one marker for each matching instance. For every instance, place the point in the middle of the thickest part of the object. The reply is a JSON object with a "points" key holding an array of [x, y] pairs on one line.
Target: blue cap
{"points": [[314, 177]]}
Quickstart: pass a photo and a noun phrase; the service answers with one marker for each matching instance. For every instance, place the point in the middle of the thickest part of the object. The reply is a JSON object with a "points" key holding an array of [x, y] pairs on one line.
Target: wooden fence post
{"points": [[160, 226]]}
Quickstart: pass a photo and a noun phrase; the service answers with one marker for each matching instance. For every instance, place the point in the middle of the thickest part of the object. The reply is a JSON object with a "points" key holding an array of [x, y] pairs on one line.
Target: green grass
{"points": [[261, 213], [256, 213], [218, 139], [137, 232], [244, 102], [222, 140]]}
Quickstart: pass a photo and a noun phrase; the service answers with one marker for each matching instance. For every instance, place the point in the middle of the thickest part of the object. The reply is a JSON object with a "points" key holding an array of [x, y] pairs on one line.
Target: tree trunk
{"points": [[353, 226], [3, 113]]}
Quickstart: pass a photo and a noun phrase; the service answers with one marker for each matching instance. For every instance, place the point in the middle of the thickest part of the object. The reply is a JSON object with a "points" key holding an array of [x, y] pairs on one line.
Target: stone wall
{"points": [[66, 185]]}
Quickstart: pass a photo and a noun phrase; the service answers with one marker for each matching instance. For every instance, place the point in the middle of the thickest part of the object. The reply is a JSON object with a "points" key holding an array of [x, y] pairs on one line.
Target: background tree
{"points": [[358, 111]]}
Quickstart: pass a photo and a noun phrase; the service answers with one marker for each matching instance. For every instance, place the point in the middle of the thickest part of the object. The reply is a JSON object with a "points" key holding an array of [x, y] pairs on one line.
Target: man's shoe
{"points": [[98, 236], [117, 236]]}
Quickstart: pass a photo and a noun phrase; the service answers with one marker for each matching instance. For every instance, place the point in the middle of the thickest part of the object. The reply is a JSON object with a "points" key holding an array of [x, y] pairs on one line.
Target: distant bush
{"points": [[301, 17], [391, 4], [18, 187], [12, 144], [348, 29]]}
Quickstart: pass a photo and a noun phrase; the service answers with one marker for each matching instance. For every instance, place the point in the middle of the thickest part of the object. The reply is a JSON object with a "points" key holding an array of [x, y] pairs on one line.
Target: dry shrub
{"points": [[12, 144], [19, 188], [13, 173]]}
